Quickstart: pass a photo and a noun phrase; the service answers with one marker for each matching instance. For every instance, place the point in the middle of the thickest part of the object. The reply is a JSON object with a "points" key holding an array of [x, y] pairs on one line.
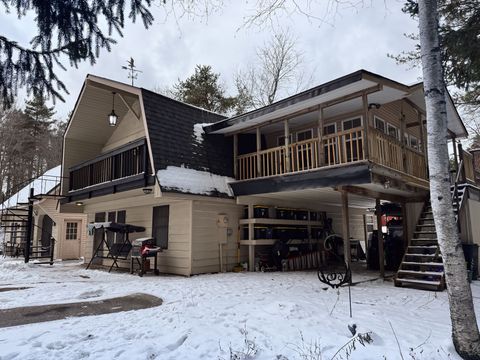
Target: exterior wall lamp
{"points": [[79, 203], [147, 191], [112, 118], [373, 106]]}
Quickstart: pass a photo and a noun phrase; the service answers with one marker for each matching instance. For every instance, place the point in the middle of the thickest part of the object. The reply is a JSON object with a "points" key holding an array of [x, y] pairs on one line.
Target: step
{"points": [[420, 273], [419, 282], [421, 263], [431, 256]]}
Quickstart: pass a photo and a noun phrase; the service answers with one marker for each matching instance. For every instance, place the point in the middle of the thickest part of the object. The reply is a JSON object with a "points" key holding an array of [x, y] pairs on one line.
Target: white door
{"points": [[71, 244]]}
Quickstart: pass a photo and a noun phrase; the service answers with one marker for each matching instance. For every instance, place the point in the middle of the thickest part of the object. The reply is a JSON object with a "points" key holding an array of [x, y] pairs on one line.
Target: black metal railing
{"points": [[129, 160]]}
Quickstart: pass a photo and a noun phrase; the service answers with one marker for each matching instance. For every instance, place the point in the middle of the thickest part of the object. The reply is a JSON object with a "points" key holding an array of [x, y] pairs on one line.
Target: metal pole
{"points": [[28, 234]]}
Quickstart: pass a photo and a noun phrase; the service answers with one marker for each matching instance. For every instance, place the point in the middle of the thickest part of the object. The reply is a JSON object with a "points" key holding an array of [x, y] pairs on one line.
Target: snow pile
{"points": [[198, 131], [279, 315], [42, 185], [193, 181]]}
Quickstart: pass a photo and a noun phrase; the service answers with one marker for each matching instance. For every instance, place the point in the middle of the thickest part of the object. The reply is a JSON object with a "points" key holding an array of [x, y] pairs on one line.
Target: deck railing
{"points": [[340, 148], [469, 168], [121, 163]]}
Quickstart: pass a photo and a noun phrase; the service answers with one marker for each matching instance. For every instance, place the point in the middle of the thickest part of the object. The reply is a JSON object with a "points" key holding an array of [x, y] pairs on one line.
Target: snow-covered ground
{"points": [[275, 315]]}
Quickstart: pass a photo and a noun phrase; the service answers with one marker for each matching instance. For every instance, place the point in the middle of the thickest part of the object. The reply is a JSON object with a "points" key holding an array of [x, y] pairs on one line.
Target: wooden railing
{"points": [[339, 148], [127, 161], [385, 150], [469, 168]]}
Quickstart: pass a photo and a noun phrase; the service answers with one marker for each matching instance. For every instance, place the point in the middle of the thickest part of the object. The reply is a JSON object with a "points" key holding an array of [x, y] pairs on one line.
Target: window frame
{"points": [[282, 137], [379, 119], [351, 119], [304, 131], [389, 125], [68, 231], [334, 124], [163, 242]]}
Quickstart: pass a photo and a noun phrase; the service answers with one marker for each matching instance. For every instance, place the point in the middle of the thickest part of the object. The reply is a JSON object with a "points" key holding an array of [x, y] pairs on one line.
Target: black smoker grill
{"points": [[142, 249]]}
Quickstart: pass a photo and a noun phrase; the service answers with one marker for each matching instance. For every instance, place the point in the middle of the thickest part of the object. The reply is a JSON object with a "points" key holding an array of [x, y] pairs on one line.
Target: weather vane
{"points": [[132, 72]]}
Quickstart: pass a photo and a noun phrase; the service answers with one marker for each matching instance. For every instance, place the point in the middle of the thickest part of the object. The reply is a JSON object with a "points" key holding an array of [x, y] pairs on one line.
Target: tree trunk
{"points": [[465, 333]]}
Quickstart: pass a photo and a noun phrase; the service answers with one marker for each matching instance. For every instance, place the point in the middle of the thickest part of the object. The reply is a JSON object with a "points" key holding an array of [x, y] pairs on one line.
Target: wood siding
{"points": [[206, 235], [139, 210]]}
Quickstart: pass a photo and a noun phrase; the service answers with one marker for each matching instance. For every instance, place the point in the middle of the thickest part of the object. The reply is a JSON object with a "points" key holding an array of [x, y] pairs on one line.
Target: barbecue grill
{"points": [[142, 249]]}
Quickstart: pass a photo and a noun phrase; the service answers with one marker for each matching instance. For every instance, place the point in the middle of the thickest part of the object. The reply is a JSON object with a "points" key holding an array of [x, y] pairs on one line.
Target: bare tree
{"points": [[466, 337], [278, 71]]}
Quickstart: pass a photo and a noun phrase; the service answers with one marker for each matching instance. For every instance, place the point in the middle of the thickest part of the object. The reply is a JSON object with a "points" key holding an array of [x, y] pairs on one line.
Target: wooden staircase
{"points": [[422, 265]]}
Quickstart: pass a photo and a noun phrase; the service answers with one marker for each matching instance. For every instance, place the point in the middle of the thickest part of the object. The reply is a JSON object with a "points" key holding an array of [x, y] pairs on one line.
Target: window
{"points": [[281, 140], [352, 123], [160, 220], [405, 139], [304, 135], [111, 216], [392, 131], [72, 231], [379, 124], [414, 142], [330, 129]]}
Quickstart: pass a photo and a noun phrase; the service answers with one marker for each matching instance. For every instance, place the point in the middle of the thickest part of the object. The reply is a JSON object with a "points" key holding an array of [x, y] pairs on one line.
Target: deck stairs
{"points": [[14, 215], [422, 264]]}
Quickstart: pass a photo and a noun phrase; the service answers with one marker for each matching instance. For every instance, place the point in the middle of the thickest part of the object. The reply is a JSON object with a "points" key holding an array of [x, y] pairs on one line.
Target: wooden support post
{"points": [[366, 122], [259, 147], [346, 229], [235, 155], [455, 152], [287, 147], [29, 229], [321, 148], [251, 248], [381, 255], [462, 160], [423, 138], [406, 235], [402, 140]]}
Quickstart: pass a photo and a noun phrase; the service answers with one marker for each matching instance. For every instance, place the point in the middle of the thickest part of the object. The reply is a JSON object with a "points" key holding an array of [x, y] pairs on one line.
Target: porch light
{"points": [[147, 191], [112, 118], [373, 106], [386, 184], [79, 203]]}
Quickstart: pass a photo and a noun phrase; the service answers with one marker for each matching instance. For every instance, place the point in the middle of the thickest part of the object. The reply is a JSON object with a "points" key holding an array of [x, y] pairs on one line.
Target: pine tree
{"points": [[203, 89], [67, 30], [39, 119]]}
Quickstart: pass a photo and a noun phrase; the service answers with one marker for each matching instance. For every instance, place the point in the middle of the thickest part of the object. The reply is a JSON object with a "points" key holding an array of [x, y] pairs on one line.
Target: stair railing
{"points": [[455, 197]]}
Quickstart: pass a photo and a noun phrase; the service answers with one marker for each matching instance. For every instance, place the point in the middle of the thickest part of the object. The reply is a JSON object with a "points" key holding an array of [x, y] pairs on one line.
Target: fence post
{"points": [[52, 249], [28, 234]]}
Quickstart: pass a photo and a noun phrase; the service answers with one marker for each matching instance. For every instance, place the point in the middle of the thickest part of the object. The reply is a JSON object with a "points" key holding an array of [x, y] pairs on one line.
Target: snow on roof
{"points": [[198, 131], [193, 181], [41, 185]]}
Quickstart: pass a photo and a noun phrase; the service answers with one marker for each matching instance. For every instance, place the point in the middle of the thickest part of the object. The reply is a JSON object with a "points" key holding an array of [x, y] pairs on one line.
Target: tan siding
{"points": [[175, 259], [128, 129], [205, 235]]}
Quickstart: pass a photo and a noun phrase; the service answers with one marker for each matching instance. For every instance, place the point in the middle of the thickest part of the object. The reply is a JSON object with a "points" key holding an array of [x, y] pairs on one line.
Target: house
{"points": [[48, 222], [213, 190]]}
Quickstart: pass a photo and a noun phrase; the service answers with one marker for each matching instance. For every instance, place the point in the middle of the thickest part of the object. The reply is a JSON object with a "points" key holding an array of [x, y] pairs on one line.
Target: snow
{"points": [[198, 131], [42, 185], [205, 316], [193, 181]]}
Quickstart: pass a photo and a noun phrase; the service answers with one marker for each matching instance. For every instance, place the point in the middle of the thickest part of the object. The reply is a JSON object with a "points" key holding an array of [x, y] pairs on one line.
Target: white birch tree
{"points": [[465, 333]]}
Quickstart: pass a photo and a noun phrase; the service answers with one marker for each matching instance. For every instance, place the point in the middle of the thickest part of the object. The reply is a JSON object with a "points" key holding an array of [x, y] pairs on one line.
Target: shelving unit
{"points": [[251, 242]]}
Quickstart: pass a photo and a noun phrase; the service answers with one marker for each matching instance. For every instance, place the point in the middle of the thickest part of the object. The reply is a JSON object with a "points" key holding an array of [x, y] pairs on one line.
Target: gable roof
{"points": [[177, 140], [346, 85], [44, 184]]}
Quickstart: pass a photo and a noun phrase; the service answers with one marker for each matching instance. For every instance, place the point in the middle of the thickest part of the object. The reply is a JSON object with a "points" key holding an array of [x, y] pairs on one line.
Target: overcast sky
{"points": [[354, 39]]}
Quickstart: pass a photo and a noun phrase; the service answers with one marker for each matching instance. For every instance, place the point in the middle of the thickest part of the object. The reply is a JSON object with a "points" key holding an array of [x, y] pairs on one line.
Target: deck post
{"points": [[321, 148], [381, 255], [346, 229], [406, 237], [402, 139], [424, 140], [259, 147], [366, 121], [455, 153], [251, 248], [462, 159], [235, 155], [287, 147]]}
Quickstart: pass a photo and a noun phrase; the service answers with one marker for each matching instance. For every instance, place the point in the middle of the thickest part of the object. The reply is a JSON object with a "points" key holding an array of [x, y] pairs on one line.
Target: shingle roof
{"points": [[175, 141]]}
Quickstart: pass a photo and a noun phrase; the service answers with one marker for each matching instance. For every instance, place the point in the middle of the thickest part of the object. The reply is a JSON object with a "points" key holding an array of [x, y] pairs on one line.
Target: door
{"points": [[72, 236], [47, 227]]}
